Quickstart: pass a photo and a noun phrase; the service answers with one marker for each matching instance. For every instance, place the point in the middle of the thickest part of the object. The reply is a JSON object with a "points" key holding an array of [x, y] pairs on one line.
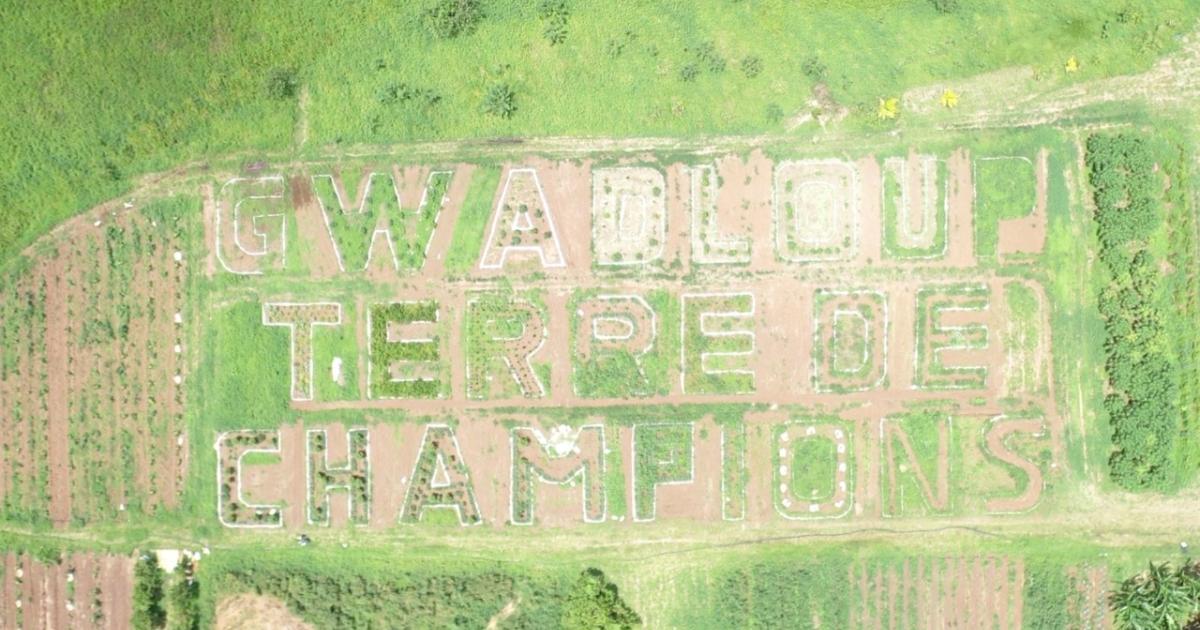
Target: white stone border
{"points": [[437, 216], [853, 203], [984, 447], [470, 489], [745, 473], [660, 230], [902, 211], [614, 297], [237, 482], [579, 472], [704, 316], [437, 316], [633, 459], [729, 248], [344, 208], [498, 211], [254, 220], [842, 451], [948, 419], [528, 358], [971, 290], [291, 326], [817, 337], [348, 468]]}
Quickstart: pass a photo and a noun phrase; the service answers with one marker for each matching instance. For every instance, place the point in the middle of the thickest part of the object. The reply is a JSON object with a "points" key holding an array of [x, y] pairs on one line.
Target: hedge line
{"points": [[1143, 383]]}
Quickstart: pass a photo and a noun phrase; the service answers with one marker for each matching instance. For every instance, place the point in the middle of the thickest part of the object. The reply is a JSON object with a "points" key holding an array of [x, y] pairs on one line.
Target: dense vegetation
{"points": [[1159, 597], [368, 590], [98, 92], [1143, 386], [148, 610]]}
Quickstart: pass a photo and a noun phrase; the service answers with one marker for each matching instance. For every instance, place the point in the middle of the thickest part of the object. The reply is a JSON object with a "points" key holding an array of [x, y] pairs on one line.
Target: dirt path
{"points": [[509, 609], [57, 432]]}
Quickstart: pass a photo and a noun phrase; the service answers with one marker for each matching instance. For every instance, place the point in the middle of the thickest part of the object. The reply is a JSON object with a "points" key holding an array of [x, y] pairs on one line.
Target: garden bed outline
{"points": [[654, 490], [291, 326], [580, 472], [237, 490], [308, 485], [497, 212], [254, 220], [741, 315]]}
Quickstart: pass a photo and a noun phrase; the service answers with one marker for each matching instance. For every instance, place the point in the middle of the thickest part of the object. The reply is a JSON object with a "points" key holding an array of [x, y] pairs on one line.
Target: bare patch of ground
{"points": [[256, 612]]}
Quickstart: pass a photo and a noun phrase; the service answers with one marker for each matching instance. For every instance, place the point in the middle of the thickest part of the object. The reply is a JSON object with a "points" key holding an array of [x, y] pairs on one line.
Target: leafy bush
{"points": [[500, 101], [554, 13], [594, 602], [751, 66], [1160, 597], [814, 69], [183, 598], [945, 6], [1143, 384], [689, 72], [448, 19], [707, 57], [148, 611], [282, 84]]}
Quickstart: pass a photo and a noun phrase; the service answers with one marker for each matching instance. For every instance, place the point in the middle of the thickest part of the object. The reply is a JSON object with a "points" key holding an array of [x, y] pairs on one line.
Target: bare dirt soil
{"points": [[256, 612], [79, 591]]}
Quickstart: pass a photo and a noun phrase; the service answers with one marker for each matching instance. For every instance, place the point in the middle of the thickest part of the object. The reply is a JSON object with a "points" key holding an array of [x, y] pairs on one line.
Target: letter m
{"points": [[563, 458]]}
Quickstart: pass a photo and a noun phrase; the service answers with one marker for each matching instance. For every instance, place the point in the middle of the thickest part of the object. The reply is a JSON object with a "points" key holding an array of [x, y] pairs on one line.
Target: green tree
{"points": [[1161, 597], [148, 609], [593, 603], [183, 605]]}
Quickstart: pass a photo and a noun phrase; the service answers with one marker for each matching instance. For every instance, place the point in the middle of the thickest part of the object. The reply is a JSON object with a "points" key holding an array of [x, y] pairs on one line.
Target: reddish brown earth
{"points": [[50, 599], [934, 593], [1027, 235]]}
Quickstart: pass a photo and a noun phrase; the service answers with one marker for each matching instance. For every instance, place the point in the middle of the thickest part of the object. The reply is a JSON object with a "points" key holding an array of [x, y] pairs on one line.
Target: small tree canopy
{"points": [[594, 604], [148, 609], [1159, 597]]}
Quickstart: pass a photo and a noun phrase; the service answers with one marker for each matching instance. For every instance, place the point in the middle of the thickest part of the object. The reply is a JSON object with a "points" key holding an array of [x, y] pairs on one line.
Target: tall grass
{"points": [[96, 93]]}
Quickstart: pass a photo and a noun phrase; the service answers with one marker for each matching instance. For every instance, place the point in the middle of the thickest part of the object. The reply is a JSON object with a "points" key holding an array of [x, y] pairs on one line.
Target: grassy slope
{"points": [[97, 93]]}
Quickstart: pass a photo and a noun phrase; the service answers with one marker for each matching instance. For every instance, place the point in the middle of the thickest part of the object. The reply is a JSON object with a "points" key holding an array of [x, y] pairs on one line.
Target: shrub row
{"points": [[1142, 383]]}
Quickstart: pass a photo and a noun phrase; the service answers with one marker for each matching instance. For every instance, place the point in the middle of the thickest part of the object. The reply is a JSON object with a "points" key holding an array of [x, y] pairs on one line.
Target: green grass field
{"points": [[184, 83]]}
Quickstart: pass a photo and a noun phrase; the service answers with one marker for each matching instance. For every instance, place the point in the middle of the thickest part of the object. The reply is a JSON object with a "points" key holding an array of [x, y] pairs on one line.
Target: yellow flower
{"points": [[889, 108], [949, 99], [1072, 65]]}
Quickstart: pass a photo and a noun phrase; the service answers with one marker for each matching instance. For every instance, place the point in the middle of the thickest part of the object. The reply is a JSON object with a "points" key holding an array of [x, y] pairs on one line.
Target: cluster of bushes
{"points": [[361, 593], [1159, 597], [554, 14], [1142, 381], [703, 57], [162, 602], [447, 19], [777, 594]]}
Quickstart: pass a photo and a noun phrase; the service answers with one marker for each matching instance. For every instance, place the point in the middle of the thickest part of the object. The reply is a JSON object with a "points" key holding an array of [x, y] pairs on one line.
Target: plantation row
{"points": [[1143, 382], [93, 376]]}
